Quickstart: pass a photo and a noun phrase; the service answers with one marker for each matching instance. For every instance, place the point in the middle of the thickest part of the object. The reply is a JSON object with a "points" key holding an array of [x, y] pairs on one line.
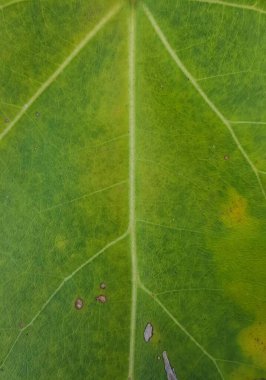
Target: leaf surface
{"points": [[133, 189]]}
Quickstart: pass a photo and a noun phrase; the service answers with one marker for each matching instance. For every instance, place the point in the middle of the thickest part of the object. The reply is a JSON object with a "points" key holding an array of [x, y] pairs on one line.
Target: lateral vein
{"points": [[181, 327], [61, 68], [60, 286], [232, 5], [84, 196], [197, 87], [14, 2]]}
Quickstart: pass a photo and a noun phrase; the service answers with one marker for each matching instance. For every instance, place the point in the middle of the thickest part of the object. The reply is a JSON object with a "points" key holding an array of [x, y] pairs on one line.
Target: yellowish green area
{"points": [[65, 181]]}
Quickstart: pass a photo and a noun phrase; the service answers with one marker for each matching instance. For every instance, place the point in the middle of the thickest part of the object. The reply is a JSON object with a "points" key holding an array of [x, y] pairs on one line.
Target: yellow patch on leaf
{"points": [[253, 343], [60, 242], [244, 372], [234, 212]]}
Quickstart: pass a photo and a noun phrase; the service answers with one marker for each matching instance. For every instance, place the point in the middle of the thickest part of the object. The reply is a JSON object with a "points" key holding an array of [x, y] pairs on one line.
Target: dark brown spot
{"points": [[101, 298], [79, 303], [102, 285]]}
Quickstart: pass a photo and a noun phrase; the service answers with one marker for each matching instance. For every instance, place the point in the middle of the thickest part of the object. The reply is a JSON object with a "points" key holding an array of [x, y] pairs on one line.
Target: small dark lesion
{"points": [[101, 298], [79, 303]]}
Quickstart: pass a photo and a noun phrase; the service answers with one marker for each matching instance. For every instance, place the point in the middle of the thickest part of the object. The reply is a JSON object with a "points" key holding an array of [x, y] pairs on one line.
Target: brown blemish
{"points": [[102, 285], [234, 212], [79, 303], [226, 157], [22, 325], [101, 298]]}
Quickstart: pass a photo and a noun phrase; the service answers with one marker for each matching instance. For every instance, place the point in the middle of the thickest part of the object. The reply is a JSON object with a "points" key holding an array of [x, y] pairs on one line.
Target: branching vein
{"points": [[167, 227], [247, 122], [84, 196], [233, 5], [62, 67], [182, 328], [14, 2], [60, 286], [194, 83]]}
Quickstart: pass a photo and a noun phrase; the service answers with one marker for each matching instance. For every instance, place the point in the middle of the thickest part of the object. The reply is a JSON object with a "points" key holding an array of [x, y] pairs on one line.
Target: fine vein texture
{"points": [[60, 69], [132, 189], [234, 5], [204, 96]]}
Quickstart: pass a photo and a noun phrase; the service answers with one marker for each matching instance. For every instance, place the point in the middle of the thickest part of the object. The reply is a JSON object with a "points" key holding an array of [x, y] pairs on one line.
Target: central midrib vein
{"points": [[132, 205]]}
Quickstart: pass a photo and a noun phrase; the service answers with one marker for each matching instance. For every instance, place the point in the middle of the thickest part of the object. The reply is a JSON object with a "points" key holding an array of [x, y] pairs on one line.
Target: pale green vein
{"points": [[132, 168], [62, 67], [189, 290], [14, 2], [197, 87], [113, 139], [247, 122], [60, 286], [84, 196], [11, 105], [232, 5], [223, 75], [181, 327], [167, 227], [236, 362]]}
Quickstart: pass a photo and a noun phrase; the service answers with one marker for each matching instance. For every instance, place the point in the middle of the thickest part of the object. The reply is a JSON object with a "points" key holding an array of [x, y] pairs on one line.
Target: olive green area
{"points": [[64, 196], [65, 181]]}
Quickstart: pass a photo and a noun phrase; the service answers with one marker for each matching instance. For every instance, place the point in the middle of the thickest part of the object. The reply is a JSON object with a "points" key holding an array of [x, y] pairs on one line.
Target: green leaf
{"points": [[133, 189]]}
